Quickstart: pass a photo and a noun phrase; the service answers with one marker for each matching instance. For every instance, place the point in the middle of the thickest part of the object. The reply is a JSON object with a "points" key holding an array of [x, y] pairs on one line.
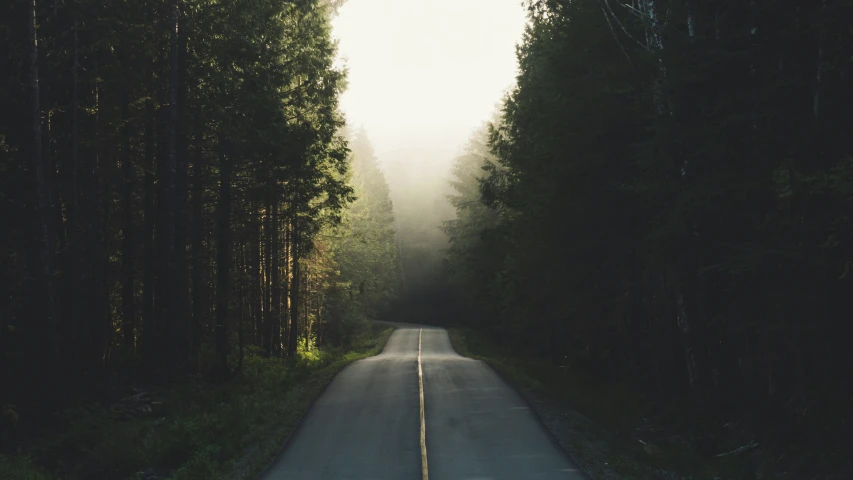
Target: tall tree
{"points": [[44, 235], [663, 204], [158, 130]]}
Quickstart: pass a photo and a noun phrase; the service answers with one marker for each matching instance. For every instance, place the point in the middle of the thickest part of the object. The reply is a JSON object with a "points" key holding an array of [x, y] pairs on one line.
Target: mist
{"points": [[423, 75]]}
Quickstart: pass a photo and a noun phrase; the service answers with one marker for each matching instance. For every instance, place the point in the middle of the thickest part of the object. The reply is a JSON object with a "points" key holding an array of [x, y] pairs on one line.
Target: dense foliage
{"points": [[173, 175], [666, 198], [364, 245]]}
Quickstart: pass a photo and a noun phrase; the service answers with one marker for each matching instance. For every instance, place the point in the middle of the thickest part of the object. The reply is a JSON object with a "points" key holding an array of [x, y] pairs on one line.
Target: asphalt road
{"points": [[367, 425]]}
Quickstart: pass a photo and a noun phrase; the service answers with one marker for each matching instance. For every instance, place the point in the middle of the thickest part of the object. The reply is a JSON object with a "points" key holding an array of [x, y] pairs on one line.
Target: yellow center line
{"points": [[424, 467]]}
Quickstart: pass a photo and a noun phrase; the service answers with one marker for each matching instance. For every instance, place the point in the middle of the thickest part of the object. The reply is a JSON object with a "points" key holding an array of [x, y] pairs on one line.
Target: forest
{"points": [[178, 193], [664, 199]]}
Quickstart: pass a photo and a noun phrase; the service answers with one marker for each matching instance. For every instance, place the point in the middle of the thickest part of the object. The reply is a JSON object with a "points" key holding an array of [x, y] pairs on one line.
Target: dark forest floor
{"points": [[613, 431], [198, 431]]}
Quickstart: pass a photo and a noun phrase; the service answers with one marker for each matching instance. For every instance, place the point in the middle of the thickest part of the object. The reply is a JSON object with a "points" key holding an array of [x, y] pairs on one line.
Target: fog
{"points": [[423, 75]]}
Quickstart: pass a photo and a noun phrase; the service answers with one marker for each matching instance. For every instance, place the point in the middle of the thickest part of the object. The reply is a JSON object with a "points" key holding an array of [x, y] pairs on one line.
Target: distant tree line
{"points": [[666, 198], [173, 183], [419, 187]]}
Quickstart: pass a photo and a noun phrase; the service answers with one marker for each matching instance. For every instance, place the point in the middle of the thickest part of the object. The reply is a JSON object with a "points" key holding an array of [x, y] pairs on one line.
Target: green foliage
{"points": [[616, 429], [475, 257], [665, 204], [193, 148], [201, 431], [20, 468], [363, 280]]}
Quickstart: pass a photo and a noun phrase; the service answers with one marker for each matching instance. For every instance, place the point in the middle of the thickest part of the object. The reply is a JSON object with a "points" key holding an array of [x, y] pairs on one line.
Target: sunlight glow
{"points": [[423, 74]]}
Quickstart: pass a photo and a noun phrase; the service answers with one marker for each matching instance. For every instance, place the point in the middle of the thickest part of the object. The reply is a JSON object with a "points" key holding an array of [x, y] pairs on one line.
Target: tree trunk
{"points": [[127, 271], [74, 210], [689, 355], [102, 328], [275, 310], [818, 89], [255, 274], [286, 283], [149, 336], [307, 309], [242, 263], [223, 261], [268, 250], [167, 297], [180, 331], [294, 291], [45, 242], [198, 253], [319, 318]]}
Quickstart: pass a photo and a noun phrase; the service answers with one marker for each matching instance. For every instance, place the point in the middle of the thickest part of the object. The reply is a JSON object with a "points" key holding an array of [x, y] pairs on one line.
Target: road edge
{"points": [[424, 463], [286, 442], [527, 396]]}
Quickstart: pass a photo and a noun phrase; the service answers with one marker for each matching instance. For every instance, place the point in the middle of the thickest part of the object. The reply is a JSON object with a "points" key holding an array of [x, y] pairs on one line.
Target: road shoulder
{"points": [[268, 446], [600, 453]]}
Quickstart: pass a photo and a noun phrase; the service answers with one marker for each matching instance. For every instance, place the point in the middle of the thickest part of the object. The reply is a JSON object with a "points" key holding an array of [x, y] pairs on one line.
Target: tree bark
{"points": [[95, 324], [294, 291], [307, 309], [128, 247], [198, 253], [223, 262], [818, 89], [241, 271], [181, 333], [268, 250], [286, 284], [45, 241], [73, 207], [150, 339], [102, 328], [275, 310], [255, 297], [167, 297], [149, 335]]}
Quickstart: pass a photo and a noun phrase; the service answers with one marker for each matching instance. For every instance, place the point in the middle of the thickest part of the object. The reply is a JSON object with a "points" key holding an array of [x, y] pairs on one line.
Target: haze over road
{"points": [[367, 424]]}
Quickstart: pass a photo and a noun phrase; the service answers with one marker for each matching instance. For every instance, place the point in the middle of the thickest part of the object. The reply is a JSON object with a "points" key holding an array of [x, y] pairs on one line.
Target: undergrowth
{"points": [[646, 437], [200, 431]]}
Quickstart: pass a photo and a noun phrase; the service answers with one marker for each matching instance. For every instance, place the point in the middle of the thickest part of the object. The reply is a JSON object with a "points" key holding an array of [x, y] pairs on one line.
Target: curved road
{"points": [[367, 425]]}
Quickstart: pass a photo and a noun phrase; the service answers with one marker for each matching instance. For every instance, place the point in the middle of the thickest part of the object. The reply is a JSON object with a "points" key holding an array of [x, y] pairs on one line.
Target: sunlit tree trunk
{"points": [[275, 252], [286, 284], [294, 289], [267, 276], [307, 308]]}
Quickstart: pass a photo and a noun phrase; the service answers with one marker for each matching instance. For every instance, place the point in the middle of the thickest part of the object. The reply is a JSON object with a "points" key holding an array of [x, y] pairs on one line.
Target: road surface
{"points": [[419, 410]]}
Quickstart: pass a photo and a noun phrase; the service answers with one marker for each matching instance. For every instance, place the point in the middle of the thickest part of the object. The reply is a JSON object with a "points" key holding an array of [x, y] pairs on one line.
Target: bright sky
{"points": [[424, 74]]}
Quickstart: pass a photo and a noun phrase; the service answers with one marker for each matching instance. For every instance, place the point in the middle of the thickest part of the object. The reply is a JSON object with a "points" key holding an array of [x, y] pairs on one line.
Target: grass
{"points": [[20, 468], [610, 421], [201, 431]]}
